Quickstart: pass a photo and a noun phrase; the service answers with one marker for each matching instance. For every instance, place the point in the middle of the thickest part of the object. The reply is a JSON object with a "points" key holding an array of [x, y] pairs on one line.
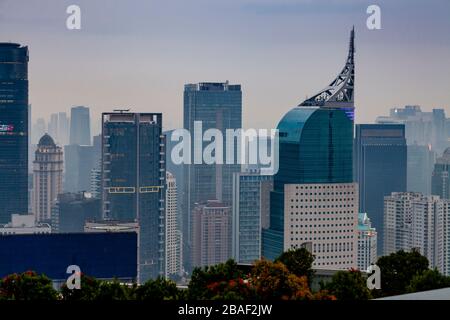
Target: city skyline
{"points": [[247, 51]]}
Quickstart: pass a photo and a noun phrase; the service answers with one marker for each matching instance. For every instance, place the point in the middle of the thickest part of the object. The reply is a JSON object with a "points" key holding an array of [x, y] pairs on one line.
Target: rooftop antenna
{"points": [[121, 110]]}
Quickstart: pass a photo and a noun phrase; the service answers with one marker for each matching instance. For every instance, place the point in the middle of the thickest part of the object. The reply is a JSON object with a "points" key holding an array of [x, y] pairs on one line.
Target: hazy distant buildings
{"points": [[47, 177], [133, 181], [422, 128], [80, 127], [380, 167], [79, 162], [63, 129], [367, 242], [211, 232], [72, 210], [173, 232], [13, 130], [315, 200], [415, 221], [419, 168], [39, 129], [218, 106], [251, 213], [440, 176]]}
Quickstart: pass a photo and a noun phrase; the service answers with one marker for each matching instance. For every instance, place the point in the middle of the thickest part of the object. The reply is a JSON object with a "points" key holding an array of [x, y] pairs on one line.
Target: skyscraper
{"points": [[13, 130], [419, 168], [79, 162], [80, 126], [53, 126], [63, 129], [211, 233], [315, 201], [173, 232], [216, 106], [367, 242], [380, 164], [47, 177], [251, 213], [133, 181], [415, 221], [440, 182]]}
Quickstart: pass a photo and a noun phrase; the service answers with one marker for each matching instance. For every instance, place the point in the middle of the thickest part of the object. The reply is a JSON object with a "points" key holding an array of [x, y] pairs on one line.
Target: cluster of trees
{"points": [[287, 278]]}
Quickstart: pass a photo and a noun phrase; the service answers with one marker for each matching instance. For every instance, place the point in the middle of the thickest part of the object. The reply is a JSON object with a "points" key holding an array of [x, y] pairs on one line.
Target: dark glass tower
{"points": [[380, 168], [440, 182], [133, 178], [315, 147], [13, 130], [217, 106]]}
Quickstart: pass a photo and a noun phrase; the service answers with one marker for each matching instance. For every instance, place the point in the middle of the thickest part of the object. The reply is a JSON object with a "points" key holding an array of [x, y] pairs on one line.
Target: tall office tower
{"points": [[380, 163], [420, 168], [315, 201], [415, 221], [80, 126], [211, 233], [440, 182], [173, 233], [214, 106], [47, 177], [177, 171], [53, 126], [72, 210], [39, 129], [367, 242], [63, 129], [133, 181], [79, 162], [251, 214], [423, 128], [13, 130]]}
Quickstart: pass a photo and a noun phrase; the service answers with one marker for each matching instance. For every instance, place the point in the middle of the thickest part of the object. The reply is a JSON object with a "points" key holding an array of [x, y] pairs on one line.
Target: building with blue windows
{"points": [[216, 105], [133, 182], [314, 202], [380, 167], [13, 130], [251, 214], [101, 255]]}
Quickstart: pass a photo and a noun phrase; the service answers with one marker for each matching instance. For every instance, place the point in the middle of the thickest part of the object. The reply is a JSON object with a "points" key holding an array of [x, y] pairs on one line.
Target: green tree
{"points": [[428, 280], [299, 262], [273, 280], [27, 286], [398, 269], [348, 285], [211, 282], [89, 289], [159, 289]]}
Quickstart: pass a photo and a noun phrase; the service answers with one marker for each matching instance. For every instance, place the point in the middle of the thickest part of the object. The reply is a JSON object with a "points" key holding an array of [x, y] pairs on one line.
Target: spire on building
{"points": [[339, 93]]}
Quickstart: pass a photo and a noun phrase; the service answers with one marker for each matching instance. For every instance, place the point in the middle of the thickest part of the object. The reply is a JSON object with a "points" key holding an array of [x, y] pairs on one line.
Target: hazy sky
{"points": [[140, 53]]}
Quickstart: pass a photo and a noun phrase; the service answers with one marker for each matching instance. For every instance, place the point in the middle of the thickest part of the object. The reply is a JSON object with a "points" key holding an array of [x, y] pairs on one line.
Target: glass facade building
{"points": [[316, 146], [380, 168], [13, 130], [133, 182], [217, 106], [251, 214]]}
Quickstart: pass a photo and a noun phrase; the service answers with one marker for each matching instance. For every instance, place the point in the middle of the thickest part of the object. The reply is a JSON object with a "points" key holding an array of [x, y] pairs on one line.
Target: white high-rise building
{"points": [[173, 234], [367, 242], [47, 177], [325, 218], [415, 221]]}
